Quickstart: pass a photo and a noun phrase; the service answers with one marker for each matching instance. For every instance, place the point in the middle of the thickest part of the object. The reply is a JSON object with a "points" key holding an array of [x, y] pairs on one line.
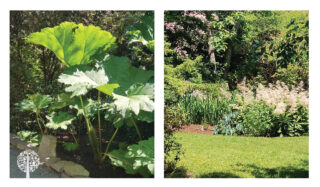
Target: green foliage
{"points": [[73, 47], [136, 159], [34, 103], [257, 120], [294, 47], [173, 120], [176, 86], [82, 80], [118, 69], [204, 110], [61, 101], [292, 124], [138, 97], [145, 116], [59, 120], [188, 70], [70, 146], [229, 125], [30, 137], [89, 105], [89, 69], [142, 31], [293, 75]]}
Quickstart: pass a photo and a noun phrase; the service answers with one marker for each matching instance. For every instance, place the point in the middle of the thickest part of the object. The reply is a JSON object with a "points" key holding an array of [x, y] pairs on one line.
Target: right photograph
{"points": [[236, 94]]}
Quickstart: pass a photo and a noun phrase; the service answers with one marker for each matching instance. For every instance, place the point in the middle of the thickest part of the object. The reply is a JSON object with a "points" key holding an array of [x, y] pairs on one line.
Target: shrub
{"points": [[257, 120], [292, 124], [173, 119], [293, 74]]}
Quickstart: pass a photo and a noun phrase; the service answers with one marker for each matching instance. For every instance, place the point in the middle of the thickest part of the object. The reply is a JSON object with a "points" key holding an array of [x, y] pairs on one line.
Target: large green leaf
{"points": [[82, 79], [138, 158], [120, 71], [138, 97], [117, 119], [34, 103], [145, 116], [59, 120], [63, 100], [26, 105], [73, 47], [90, 106]]}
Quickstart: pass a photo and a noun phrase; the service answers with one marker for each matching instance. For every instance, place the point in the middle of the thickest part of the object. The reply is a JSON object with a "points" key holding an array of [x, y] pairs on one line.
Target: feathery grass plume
{"points": [[283, 98]]}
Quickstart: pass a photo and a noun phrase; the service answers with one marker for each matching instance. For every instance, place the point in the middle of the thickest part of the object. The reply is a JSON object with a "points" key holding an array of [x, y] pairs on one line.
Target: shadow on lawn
{"points": [[219, 175], [179, 172], [256, 172], [278, 172]]}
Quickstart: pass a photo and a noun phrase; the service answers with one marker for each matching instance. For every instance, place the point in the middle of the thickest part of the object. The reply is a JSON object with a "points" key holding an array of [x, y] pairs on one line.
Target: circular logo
{"points": [[28, 161]]}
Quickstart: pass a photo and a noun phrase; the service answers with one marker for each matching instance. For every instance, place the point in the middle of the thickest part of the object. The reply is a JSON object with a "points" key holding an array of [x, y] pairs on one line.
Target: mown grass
{"points": [[246, 157]]}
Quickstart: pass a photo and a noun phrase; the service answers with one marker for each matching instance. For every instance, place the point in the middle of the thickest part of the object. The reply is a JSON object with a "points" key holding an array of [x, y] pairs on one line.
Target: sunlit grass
{"points": [[227, 156]]}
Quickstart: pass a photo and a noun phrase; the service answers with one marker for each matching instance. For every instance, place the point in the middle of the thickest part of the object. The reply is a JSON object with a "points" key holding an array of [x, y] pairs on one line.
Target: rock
{"points": [[70, 168], [52, 160], [63, 175], [47, 148], [19, 144]]}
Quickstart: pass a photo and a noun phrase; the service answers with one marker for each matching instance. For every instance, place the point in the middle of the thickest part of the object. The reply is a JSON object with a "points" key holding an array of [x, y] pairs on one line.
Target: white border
{"points": [[159, 7]]}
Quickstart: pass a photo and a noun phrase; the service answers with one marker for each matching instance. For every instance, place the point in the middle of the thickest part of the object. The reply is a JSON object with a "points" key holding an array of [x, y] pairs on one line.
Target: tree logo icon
{"points": [[28, 161]]}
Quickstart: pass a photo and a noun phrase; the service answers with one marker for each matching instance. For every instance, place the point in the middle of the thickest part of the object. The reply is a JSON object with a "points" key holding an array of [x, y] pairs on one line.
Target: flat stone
{"points": [[70, 168], [47, 148], [51, 160], [63, 175]]}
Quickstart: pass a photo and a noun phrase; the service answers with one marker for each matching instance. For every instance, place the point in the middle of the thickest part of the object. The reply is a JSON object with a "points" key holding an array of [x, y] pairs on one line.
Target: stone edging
{"points": [[66, 169]]}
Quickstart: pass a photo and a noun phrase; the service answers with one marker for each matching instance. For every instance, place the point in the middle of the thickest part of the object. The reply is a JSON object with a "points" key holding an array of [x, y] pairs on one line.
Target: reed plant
{"points": [[204, 110]]}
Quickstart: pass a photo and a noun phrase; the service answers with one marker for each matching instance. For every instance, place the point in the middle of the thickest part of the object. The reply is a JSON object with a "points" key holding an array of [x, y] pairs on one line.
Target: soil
{"points": [[196, 128]]}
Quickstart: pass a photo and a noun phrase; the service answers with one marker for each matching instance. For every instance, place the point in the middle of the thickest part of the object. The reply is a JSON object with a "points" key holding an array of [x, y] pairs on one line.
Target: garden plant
{"points": [[100, 89]]}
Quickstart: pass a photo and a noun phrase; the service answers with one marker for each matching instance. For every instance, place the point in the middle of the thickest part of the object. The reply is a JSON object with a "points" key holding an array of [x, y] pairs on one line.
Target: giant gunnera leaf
{"points": [[120, 71], [73, 44], [89, 105], [138, 98], [59, 120], [61, 101], [83, 79], [136, 159]]}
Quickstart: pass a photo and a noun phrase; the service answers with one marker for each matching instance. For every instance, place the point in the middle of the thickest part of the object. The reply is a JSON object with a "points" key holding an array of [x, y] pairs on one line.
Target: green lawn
{"points": [[226, 156]]}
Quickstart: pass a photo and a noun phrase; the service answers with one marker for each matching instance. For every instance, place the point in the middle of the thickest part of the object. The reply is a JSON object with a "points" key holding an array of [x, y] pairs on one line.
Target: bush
{"points": [[293, 75], [292, 124], [176, 87], [257, 120], [173, 120]]}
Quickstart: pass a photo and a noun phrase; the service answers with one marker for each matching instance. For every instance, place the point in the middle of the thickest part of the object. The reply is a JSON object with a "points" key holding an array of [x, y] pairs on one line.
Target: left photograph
{"points": [[81, 94]]}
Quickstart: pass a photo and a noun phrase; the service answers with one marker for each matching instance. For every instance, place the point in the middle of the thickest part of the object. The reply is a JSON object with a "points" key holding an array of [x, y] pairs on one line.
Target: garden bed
{"points": [[196, 128]]}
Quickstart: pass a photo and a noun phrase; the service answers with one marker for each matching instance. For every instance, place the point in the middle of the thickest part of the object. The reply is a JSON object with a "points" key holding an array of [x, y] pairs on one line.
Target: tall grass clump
{"points": [[200, 109]]}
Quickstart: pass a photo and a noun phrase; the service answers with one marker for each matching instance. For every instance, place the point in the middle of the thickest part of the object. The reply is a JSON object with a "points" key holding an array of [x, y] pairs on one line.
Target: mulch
{"points": [[196, 128]]}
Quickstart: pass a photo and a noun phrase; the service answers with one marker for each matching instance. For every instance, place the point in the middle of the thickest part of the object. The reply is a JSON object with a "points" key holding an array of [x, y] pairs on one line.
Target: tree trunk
{"points": [[211, 52]]}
